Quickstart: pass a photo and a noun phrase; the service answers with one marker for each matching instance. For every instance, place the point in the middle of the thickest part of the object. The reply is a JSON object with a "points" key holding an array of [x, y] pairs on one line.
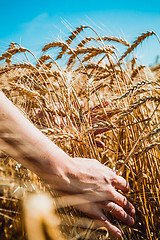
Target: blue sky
{"points": [[35, 23]]}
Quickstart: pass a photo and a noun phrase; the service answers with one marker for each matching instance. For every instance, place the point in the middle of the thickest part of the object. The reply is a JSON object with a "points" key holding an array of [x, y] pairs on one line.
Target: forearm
{"points": [[97, 182], [48, 159]]}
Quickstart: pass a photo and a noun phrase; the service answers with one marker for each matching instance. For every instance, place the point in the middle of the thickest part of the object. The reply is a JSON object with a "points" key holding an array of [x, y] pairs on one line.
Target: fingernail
{"points": [[132, 221], [127, 186], [81, 104], [100, 144], [133, 211], [118, 234]]}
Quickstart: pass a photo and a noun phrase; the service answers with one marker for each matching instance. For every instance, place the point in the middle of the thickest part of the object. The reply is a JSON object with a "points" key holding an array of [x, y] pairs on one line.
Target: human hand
{"points": [[96, 187], [87, 179], [96, 113]]}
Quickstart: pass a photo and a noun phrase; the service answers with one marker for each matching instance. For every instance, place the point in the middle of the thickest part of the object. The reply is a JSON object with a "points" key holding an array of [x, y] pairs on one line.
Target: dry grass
{"points": [[51, 97]]}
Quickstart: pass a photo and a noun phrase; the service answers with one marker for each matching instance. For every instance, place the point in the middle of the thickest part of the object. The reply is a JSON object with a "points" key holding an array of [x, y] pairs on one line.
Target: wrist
{"points": [[58, 166]]}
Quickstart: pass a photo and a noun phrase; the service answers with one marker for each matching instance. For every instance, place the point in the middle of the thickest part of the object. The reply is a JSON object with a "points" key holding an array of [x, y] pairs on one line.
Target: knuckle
{"points": [[127, 186], [114, 181], [111, 192], [125, 201], [109, 205], [120, 212]]}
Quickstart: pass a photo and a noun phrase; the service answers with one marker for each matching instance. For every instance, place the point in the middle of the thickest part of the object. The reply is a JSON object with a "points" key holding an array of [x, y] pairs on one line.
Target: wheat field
{"points": [[90, 96]]}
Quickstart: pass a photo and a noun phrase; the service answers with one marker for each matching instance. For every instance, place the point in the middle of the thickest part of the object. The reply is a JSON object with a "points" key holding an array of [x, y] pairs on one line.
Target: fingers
{"points": [[104, 222], [100, 130], [94, 211], [100, 144], [117, 181], [119, 213], [120, 183], [122, 201], [105, 103], [81, 104]]}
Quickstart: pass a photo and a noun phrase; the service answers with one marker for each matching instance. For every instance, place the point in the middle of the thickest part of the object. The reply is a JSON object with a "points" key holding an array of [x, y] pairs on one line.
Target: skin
{"points": [[94, 185]]}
